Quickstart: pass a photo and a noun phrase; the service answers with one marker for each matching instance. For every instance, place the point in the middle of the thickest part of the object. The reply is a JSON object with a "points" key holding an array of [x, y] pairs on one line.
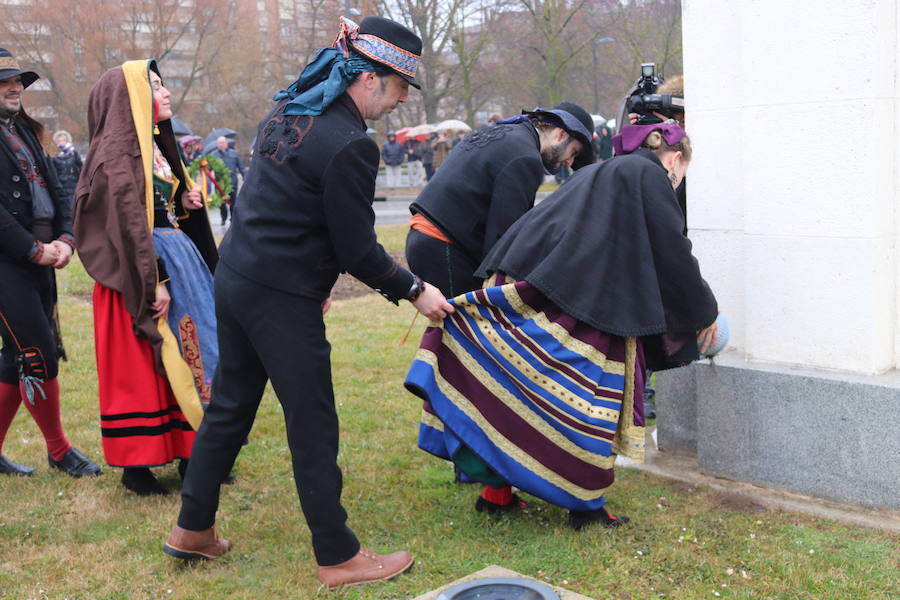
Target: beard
{"points": [[552, 156], [6, 113]]}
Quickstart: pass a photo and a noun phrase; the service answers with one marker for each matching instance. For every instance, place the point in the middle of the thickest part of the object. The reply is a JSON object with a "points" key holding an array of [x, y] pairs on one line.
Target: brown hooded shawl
{"points": [[113, 224]]}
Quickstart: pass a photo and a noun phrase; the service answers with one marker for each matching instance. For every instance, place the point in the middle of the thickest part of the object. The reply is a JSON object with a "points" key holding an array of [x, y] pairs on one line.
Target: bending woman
{"points": [[148, 245], [535, 381]]}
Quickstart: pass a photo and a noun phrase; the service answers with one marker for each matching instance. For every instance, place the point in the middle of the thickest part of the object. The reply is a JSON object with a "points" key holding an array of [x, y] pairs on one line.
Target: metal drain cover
{"points": [[499, 588]]}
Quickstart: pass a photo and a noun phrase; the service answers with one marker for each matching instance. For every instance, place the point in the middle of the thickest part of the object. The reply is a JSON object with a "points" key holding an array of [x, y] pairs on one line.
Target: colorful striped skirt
{"points": [[544, 400]]}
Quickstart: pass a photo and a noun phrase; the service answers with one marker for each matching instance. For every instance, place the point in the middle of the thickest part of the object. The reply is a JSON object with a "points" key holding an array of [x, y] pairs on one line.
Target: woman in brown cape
{"points": [[150, 249]]}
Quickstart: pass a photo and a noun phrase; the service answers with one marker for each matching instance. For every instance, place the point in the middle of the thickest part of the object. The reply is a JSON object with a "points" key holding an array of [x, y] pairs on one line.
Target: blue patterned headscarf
{"points": [[333, 69], [323, 80]]}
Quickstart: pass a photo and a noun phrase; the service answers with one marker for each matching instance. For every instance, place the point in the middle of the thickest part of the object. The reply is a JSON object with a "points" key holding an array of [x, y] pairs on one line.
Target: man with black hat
{"points": [[487, 182], [304, 216], [35, 237]]}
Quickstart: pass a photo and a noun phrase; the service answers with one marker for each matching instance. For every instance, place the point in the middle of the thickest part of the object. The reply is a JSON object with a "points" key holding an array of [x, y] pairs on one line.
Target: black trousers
{"points": [[268, 334], [27, 321], [442, 265]]}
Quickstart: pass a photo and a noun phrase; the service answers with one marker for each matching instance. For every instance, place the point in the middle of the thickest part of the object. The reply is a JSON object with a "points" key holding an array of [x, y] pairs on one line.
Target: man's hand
{"points": [[192, 199], [432, 304], [326, 304], [708, 338], [65, 254], [49, 256], [163, 299]]}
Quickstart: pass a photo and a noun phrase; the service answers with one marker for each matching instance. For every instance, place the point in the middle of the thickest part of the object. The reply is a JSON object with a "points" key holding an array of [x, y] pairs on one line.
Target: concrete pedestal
{"points": [[826, 434]]}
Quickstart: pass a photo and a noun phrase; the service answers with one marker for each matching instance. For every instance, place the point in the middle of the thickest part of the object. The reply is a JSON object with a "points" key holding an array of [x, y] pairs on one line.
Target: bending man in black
{"points": [[304, 216]]}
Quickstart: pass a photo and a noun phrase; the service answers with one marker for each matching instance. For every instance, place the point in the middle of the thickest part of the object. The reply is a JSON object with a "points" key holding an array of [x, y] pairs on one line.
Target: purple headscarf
{"points": [[632, 136]]}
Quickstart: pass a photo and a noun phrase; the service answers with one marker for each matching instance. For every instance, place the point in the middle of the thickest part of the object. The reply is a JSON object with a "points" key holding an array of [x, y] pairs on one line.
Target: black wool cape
{"points": [[608, 249]]}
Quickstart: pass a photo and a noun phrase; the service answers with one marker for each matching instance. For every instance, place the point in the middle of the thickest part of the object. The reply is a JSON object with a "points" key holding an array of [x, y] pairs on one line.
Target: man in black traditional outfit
{"points": [[35, 238], [304, 216]]}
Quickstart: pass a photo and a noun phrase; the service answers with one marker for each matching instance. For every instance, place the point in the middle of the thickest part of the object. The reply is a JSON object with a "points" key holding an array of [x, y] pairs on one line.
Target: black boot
{"points": [[75, 464], [497, 500], [581, 518], [482, 505], [142, 482], [8, 467]]}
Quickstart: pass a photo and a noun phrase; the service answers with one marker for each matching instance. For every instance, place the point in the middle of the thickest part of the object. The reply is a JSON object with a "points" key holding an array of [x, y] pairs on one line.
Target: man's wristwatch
{"points": [[418, 286]]}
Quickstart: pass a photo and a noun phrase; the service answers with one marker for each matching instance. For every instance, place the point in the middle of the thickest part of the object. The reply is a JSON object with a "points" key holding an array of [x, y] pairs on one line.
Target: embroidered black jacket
{"points": [[16, 214], [487, 182], [305, 212]]}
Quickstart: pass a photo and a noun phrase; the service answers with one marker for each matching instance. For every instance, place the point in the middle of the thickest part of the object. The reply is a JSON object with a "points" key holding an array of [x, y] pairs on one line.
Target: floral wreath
{"points": [[213, 177]]}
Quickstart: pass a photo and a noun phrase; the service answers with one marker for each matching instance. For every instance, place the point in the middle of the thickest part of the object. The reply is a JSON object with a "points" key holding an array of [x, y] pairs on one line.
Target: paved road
{"points": [[392, 211], [396, 209]]}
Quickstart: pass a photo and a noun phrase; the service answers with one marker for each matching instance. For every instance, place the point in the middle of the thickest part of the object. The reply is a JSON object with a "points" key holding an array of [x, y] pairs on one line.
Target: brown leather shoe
{"points": [[365, 567], [193, 545]]}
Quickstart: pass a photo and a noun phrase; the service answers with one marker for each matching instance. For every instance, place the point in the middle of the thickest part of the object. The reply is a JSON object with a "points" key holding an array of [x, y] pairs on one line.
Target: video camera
{"points": [[644, 100]]}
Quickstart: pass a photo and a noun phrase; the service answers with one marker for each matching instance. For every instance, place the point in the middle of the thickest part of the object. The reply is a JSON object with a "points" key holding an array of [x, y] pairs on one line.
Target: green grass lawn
{"points": [[89, 539]]}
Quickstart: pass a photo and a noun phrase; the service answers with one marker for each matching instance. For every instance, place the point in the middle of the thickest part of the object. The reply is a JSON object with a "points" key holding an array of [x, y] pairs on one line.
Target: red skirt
{"points": [[141, 423]]}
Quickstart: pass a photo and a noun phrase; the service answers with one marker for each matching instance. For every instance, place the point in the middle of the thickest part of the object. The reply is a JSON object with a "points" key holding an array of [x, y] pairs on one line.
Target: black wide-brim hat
{"points": [[391, 44], [575, 121], [9, 68]]}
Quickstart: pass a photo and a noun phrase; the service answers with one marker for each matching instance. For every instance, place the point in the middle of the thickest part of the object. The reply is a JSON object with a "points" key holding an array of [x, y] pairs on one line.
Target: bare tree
{"points": [[68, 49], [71, 49], [470, 37], [557, 54], [553, 22], [191, 35], [431, 20], [223, 60]]}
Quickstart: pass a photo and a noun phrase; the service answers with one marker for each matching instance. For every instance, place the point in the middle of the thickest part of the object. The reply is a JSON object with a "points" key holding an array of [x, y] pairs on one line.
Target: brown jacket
{"points": [[441, 150]]}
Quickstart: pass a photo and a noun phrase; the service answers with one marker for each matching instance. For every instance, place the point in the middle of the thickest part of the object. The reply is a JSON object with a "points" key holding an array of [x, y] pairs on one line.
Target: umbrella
{"points": [[420, 130], [189, 139], [209, 142], [454, 124], [402, 134], [598, 120], [179, 128], [229, 133]]}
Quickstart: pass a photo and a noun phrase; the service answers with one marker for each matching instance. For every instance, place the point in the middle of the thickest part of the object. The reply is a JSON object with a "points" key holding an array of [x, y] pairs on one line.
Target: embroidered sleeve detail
{"points": [[36, 252], [68, 240]]}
